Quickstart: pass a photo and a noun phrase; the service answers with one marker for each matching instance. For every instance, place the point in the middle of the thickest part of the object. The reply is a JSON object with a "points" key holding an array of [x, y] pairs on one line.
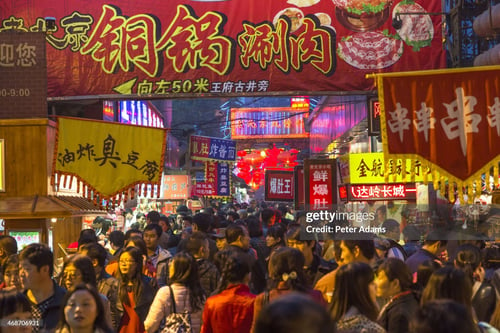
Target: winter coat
{"points": [[162, 307], [229, 311], [396, 314]]}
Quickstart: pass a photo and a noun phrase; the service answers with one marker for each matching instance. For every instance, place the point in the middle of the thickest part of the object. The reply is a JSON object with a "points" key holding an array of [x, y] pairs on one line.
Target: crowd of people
{"points": [[248, 270]]}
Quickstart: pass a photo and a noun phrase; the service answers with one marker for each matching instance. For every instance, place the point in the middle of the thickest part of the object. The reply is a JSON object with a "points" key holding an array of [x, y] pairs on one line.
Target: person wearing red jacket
{"points": [[231, 307]]}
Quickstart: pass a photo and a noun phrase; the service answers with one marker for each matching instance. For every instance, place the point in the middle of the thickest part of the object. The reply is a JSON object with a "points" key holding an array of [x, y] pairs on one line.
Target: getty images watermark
{"points": [[326, 224]]}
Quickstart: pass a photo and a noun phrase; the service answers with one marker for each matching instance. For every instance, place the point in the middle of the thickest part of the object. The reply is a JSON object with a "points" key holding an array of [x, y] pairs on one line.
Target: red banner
{"points": [[451, 118], [221, 47], [279, 185], [321, 184]]}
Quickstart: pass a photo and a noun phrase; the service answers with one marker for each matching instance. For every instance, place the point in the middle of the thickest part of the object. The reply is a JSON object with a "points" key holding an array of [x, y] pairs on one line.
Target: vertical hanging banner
{"points": [[108, 158], [449, 118], [217, 176], [279, 185], [203, 148], [321, 179]]}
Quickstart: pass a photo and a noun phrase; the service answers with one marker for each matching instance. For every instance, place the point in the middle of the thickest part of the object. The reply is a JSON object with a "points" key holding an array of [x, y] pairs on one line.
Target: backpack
{"points": [[177, 322]]}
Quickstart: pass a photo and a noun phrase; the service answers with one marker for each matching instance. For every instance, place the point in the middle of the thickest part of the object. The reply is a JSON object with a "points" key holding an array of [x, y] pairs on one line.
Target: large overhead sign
{"points": [[226, 47], [108, 158], [268, 123], [449, 118]]}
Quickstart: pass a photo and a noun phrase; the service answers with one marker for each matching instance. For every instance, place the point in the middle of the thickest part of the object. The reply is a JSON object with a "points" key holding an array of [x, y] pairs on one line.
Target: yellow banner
{"points": [[369, 168], [109, 158]]}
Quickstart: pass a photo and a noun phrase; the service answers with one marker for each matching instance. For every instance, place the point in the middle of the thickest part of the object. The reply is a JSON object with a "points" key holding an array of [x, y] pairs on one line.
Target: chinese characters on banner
{"points": [[217, 175], [279, 185], [320, 184], [176, 187], [217, 47], [204, 148], [202, 189], [450, 118], [371, 192], [370, 168], [108, 158], [268, 123]]}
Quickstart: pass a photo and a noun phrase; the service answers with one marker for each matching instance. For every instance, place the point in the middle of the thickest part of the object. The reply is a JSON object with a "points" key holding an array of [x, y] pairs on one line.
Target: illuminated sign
{"points": [[374, 117], [300, 102], [271, 123], [321, 179], [218, 176], [108, 111], [139, 113], [279, 185], [175, 187], [204, 148], [343, 196], [369, 168], [2, 166], [371, 192]]}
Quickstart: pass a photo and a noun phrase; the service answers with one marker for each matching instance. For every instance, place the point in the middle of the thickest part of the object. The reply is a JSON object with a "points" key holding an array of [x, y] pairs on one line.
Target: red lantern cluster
{"points": [[252, 166]]}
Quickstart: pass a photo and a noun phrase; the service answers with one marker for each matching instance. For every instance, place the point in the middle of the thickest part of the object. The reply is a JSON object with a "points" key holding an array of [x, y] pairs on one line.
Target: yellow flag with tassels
{"points": [[108, 158]]}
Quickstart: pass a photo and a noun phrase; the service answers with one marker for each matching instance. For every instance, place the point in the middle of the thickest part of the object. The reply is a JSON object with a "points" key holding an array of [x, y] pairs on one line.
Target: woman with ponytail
{"points": [[231, 310], [286, 275]]}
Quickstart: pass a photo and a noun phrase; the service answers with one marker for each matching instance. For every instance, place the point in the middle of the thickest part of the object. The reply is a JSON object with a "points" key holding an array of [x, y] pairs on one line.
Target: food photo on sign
{"points": [[294, 45]]}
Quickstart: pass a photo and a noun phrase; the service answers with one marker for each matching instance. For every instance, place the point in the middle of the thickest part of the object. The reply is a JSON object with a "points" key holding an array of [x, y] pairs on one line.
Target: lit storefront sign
{"points": [[369, 168], [268, 123], [139, 113], [203, 148], [279, 185], [371, 192], [374, 117], [321, 188], [175, 187], [301, 102]]}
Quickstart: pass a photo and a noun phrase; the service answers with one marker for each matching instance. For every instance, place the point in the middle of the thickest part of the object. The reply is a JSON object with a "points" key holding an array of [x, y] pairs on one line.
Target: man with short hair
{"points": [[166, 231], [157, 256], [116, 241], [435, 243], [315, 266], [197, 246], [36, 265], [202, 222], [238, 241]]}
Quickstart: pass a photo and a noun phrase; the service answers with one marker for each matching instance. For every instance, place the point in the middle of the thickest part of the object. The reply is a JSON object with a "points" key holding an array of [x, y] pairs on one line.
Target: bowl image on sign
{"points": [[370, 50], [416, 28], [362, 15], [294, 14]]}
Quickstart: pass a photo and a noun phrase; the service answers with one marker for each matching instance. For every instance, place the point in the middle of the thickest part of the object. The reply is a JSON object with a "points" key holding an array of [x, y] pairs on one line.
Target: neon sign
{"points": [[267, 123], [370, 192]]}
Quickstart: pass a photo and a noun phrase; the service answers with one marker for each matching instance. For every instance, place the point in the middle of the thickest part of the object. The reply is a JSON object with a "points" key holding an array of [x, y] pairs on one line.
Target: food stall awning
{"points": [[39, 207]]}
